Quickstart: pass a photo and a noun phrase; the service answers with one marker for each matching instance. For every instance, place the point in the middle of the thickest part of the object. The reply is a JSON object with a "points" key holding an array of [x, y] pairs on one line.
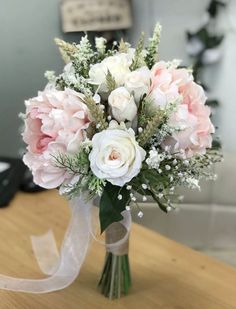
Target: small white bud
{"points": [[144, 186], [127, 208], [140, 130], [98, 125], [131, 195], [160, 195], [175, 162], [140, 214], [186, 162], [119, 197], [133, 198], [159, 171], [144, 198], [129, 187], [168, 208], [167, 167], [109, 118]]}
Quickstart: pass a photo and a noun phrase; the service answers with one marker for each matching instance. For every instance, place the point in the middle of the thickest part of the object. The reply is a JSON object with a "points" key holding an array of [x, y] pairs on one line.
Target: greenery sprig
{"points": [[97, 113], [151, 128], [110, 81], [138, 59], [66, 49], [152, 49]]}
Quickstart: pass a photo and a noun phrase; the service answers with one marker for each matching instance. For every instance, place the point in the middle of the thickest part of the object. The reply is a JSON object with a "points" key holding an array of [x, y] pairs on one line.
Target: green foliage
{"points": [[84, 57], [110, 206], [152, 49], [151, 128], [138, 56], [96, 185], [216, 144], [123, 46], [75, 164], [100, 44], [213, 103], [206, 37], [110, 81], [145, 111], [67, 50], [96, 113], [156, 183], [79, 165]]}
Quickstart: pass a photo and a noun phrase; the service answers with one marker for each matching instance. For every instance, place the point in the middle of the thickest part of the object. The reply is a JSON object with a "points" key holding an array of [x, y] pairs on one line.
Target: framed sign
{"points": [[95, 15]]}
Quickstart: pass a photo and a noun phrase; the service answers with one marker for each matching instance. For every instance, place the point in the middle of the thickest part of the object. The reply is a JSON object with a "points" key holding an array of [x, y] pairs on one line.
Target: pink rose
{"points": [[55, 123], [192, 118]]}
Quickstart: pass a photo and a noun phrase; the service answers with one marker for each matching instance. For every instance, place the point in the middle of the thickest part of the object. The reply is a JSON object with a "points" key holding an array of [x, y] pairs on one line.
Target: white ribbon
{"points": [[63, 269]]}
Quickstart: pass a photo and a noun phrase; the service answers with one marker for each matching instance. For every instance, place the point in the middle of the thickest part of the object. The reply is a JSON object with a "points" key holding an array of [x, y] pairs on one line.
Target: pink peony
{"points": [[55, 123], [163, 88], [192, 118]]}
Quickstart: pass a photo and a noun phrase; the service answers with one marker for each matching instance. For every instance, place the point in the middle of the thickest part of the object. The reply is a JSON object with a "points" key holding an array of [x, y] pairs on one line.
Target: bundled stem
{"points": [[115, 278]]}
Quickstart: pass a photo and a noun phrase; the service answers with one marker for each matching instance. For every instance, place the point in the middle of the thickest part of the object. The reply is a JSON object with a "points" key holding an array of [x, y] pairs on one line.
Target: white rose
{"points": [[116, 155], [122, 104], [118, 65], [138, 81]]}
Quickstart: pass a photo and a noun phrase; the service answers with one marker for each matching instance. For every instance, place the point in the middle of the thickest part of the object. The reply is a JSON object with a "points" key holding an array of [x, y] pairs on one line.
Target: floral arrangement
{"points": [[120, 124]]}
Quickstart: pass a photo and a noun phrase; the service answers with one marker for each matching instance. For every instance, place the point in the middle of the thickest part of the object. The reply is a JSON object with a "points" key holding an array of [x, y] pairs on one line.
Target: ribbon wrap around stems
{"points": [[117, 238], [62, 269]]}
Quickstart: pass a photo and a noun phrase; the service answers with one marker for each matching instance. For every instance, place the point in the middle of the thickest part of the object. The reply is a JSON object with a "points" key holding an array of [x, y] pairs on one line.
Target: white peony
{"points": [[138, 82], [122, 104], [116, 155], [118, 65]]}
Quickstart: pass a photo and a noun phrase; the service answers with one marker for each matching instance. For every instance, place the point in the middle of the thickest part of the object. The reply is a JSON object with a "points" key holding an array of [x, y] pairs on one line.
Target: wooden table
{"points": [[165, 274]]}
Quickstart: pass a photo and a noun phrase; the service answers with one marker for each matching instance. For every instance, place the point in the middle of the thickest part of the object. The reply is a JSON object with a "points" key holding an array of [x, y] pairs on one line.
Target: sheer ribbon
{"points": [[62, 269]]}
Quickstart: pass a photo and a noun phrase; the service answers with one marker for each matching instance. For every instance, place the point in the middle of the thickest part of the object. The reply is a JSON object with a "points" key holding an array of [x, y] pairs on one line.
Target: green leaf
{"points": [[216, 144], [213, 103], [110, 207]]}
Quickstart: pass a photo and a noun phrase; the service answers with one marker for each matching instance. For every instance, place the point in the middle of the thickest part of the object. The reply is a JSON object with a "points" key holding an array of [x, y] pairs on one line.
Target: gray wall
{"points": [[27, 30]]}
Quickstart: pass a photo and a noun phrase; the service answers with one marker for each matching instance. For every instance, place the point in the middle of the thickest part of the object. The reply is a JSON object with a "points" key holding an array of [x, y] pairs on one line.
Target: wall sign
{"points": [[95, 15]]}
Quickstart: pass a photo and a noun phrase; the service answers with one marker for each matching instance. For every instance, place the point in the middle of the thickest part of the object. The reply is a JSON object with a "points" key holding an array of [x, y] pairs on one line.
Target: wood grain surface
{"points": [[165, 274]]}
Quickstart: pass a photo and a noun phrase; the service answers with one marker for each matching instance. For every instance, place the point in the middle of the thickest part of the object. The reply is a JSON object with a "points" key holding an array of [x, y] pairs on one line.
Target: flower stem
{"points": [[115, 278]]}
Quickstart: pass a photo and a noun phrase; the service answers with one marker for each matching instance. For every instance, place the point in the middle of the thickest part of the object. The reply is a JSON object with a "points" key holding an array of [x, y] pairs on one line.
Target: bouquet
{"points": [[121, 125]]}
